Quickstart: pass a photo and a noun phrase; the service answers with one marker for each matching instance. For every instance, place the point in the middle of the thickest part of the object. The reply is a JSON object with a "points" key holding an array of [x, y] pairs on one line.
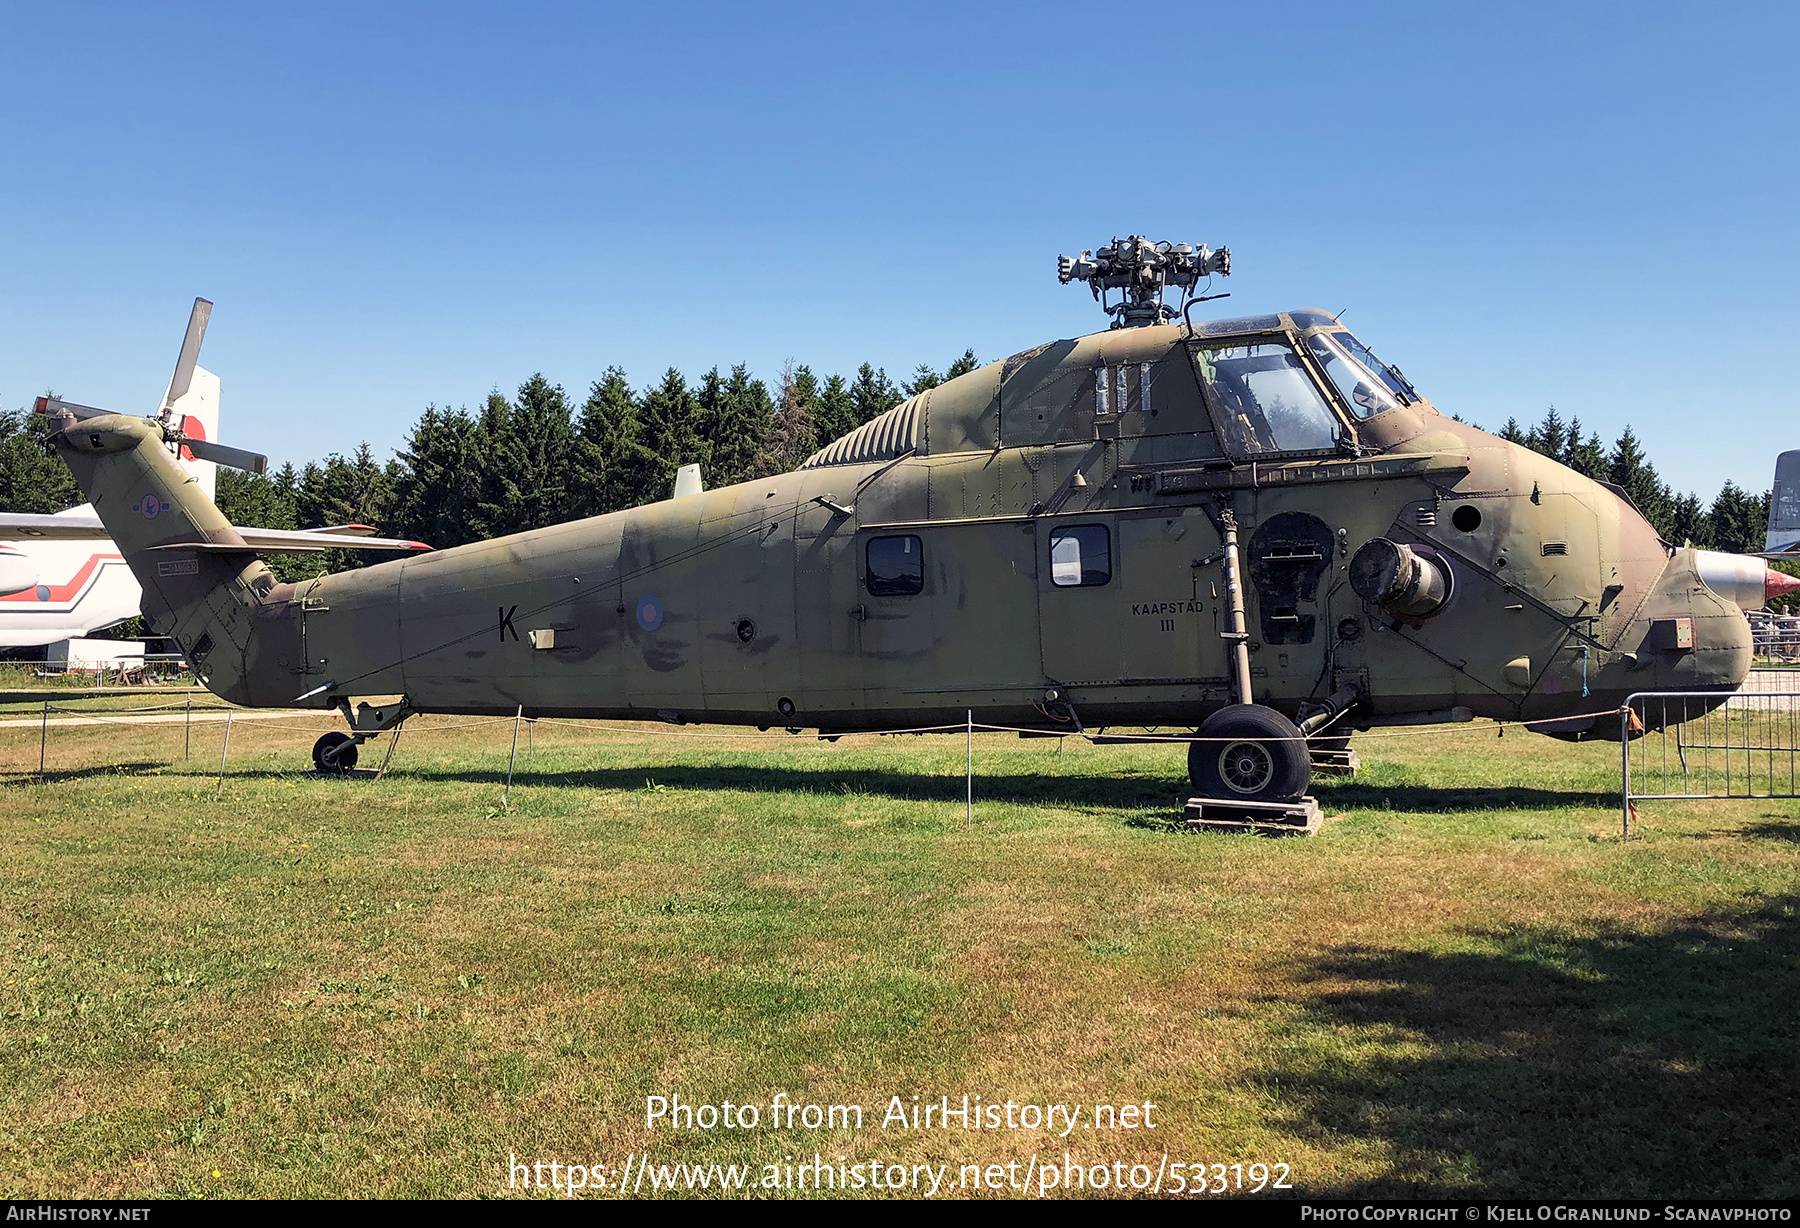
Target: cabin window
{"points": [[1396, 383], [1363, 391], [1265, 400], [1080, 556], [896, 566]]}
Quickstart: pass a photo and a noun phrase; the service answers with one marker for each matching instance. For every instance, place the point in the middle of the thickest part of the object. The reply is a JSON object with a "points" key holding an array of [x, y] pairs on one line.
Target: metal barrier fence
{"points": [[1775, 639], [1697, 747]]}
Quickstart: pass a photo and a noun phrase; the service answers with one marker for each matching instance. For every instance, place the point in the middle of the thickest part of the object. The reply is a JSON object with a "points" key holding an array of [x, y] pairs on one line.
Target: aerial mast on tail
{"points": [[1145, 271]]}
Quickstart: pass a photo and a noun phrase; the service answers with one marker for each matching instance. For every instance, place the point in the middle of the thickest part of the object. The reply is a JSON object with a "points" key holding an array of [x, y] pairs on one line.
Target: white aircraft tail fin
{"points": [[1784, 505], [196, 414]]}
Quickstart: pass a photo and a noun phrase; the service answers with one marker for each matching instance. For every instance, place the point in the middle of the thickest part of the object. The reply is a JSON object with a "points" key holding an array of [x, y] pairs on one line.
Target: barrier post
{"points": [[389, 757], [506, 796], [43, 741], [223, 751], [1625, 772], [969, 819], [187, 733]]}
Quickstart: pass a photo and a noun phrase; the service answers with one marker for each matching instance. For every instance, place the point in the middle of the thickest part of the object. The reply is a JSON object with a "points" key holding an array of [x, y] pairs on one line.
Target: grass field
{"points": [[322, 987]]}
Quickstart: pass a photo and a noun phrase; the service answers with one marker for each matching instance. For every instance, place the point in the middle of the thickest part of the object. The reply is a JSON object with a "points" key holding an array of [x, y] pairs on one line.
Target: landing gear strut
{"points": [[1246, 752]]}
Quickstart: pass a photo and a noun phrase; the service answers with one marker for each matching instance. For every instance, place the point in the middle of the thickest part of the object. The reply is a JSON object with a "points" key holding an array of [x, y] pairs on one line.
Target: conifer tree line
{"points": [[1735, 520], [539, 458]]}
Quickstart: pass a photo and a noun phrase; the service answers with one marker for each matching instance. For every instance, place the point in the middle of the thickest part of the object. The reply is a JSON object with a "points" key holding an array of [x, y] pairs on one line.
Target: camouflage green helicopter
{"points": [[1250, 528]]}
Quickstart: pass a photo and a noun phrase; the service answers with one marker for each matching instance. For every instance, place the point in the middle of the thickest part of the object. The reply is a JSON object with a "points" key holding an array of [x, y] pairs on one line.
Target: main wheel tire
{"points": [[333, 753], [1251, 754], [1338, 741]]}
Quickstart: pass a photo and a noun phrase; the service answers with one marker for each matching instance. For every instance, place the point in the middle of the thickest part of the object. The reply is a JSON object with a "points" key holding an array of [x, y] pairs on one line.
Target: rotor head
{"points": [[1144, 272]]}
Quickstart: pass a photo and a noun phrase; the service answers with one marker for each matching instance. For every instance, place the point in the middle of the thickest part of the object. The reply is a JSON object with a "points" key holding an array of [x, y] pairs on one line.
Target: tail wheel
{"points": [[1249, 753], [333, 753]]}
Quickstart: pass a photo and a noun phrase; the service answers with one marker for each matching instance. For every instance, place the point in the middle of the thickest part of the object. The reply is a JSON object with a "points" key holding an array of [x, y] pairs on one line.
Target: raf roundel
{"points": [[649, 613]]}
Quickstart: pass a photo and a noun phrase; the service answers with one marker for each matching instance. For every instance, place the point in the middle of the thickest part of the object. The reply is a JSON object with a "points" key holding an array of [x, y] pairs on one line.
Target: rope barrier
{"points": [[421, 725], [651, 731], [758, 736], [150, 708]]}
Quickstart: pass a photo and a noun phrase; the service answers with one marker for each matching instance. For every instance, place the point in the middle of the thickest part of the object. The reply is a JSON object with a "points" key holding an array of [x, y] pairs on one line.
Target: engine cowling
{"points": [[1742, 579]]}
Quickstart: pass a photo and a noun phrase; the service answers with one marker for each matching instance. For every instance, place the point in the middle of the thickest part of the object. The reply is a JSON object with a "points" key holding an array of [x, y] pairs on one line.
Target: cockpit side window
{"points": [[1365, 393], [1265, 400], [1403, 391]]}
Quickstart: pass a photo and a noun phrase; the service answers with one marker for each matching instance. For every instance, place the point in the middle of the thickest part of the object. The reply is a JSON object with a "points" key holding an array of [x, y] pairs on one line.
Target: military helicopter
{"points": [[1251, 528]]}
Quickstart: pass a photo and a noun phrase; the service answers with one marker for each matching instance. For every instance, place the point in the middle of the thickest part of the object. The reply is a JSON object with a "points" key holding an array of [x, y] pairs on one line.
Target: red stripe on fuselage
{"points": [[63, 592]]}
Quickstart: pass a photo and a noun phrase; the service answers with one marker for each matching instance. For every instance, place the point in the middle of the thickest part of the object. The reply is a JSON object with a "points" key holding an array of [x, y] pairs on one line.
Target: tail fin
{"points": [[202, 583], [1784, 506], [191, 401], [196, 415]]}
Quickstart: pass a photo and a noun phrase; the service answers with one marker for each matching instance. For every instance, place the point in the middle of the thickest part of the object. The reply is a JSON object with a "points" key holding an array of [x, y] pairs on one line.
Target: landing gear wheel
{"points": [[333, 753], [1330, 741], [1253, 754]]}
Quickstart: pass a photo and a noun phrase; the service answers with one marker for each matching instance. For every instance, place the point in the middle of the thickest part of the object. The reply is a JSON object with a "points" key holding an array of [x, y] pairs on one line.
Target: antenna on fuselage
{"points": [[1145, 271]]}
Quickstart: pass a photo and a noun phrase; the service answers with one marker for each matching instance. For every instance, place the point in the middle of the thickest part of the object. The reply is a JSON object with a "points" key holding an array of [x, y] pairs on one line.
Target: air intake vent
{"points": [[1556, 548], [1426, 516], [894, 433]]}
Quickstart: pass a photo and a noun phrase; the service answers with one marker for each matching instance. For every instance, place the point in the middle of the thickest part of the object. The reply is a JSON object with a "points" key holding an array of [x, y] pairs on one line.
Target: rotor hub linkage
{"points": [[1144, 272]]}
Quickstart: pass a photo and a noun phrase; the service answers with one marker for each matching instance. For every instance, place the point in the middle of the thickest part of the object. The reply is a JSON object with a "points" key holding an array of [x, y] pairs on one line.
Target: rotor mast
{"points": [[1144, 272]]}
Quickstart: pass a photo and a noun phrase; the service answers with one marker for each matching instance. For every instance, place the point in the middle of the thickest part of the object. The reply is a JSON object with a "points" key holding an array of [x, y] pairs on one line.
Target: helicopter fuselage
{"points": [[1037, 542]]}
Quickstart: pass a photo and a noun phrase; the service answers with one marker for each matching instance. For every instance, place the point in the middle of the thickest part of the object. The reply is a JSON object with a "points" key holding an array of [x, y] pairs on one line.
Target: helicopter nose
{"points": [[1742, 579]]}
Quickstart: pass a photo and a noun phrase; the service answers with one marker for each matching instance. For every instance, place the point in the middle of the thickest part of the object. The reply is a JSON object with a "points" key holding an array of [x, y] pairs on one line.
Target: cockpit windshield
{"points": [[1266, 400], [1396, 383], [1364, 391]]}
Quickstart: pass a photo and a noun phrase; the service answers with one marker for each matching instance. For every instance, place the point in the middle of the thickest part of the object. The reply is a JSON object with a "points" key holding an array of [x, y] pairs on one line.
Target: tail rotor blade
{"points": [[219, 454], [190, 353], [53, 406]]}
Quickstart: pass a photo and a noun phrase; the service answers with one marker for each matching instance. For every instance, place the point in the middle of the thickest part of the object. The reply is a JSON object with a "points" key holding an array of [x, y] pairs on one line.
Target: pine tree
{"points": [[440, 482], [736, 417], [267, 503], [1688, 524], [671, 431], [923, 380], [1550, 436], [1738, 518], [835, 416], [545, 431], [1512, 432], [1586, 458], [873, 393], [498, 499], [344, 490], [616, 470], [795, 436], [1631, 471], [962, 366], [251, 499]]}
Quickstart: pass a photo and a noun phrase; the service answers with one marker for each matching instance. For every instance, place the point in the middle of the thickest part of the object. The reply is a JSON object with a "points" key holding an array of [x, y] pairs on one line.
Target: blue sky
{"points": [[1585, 205]]}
